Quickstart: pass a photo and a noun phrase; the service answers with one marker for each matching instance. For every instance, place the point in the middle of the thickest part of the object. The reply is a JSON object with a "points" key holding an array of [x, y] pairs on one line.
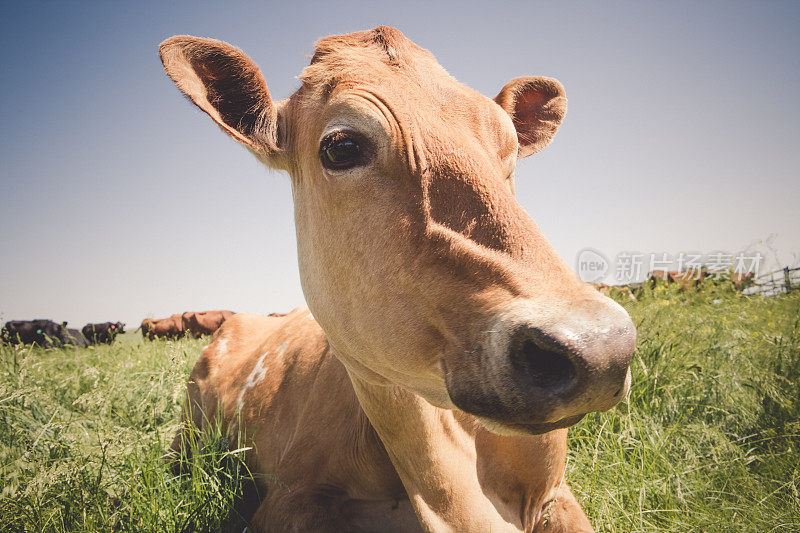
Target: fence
{"points": [[778, 282]]}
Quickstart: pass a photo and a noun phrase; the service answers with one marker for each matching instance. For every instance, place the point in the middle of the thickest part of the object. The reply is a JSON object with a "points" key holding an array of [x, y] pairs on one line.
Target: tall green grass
{"points": [[707, 441], [709, 438], [83, 434]]}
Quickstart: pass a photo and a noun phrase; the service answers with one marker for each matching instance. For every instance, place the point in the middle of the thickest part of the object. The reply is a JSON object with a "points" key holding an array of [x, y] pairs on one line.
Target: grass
{"points": [[83, 434], [707, 440], [709, 437]]}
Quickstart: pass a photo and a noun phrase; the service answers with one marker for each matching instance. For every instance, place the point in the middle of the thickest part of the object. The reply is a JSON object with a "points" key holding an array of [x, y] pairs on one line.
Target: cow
{"points": [[202, 323], [684, 279], [742, 280], [171, 328], [145, 326], [76, 338], [446, 347], [41, 332], [103, 333]]}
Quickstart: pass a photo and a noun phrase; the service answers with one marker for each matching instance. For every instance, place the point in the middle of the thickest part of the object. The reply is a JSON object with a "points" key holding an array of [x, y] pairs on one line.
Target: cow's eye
{"points": [[340, 151]]}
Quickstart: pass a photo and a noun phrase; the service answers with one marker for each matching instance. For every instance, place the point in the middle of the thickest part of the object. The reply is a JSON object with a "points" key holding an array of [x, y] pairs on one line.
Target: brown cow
{"points": [[147, 323], [450, 347], [685, 279], [172, 327], [202, 323], [742, 280]]}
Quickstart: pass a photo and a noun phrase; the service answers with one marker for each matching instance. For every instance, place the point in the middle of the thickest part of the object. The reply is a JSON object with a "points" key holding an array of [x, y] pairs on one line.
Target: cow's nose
{"points": [[545, 365], [580, 362]]}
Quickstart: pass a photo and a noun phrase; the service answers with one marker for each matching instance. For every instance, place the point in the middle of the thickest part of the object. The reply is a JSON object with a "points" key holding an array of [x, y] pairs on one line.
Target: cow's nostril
{"points": [[546, 369]]}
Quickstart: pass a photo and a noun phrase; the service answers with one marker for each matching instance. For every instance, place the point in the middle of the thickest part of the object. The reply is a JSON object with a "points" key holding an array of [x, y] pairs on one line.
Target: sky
{"points": [[119, 200]]}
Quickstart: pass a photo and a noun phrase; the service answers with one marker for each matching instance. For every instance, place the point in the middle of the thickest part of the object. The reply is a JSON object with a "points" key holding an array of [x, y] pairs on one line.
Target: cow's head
{"points": [[415, 257]]}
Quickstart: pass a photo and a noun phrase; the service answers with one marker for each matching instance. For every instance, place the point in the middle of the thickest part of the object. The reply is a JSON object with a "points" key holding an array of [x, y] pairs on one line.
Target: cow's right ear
{"points": [[537, 106], [222, 81]]}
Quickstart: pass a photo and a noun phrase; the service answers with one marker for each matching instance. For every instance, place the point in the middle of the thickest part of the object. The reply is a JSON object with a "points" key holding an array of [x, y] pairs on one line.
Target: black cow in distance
{"points": [[76, 338], [41, 332], [104, 333]]}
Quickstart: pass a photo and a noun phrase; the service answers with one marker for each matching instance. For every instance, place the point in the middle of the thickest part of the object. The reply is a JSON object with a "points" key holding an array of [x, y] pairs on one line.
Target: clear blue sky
{"points": [[120, 200]]}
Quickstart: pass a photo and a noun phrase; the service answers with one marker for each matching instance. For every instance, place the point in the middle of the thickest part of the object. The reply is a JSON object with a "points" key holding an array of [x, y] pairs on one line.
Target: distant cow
{"points": [[104, 332], [742, 280], [685, 279], [171, 327], [688, 279], [76, 338], [41, 332], [202, 323], [147, 323]]}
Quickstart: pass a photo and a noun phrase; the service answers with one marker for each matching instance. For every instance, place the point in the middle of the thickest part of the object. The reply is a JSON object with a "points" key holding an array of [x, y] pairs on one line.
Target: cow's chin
{"points": [[512, 429]]}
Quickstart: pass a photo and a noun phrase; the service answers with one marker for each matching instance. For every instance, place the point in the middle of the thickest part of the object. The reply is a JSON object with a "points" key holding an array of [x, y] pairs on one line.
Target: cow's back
{"points": [[76, 338], [204, 322], [276, 377]]}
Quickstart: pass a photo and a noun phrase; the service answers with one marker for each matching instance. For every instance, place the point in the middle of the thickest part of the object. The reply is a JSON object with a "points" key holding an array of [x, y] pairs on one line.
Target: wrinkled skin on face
{"points": [[464, 259]]}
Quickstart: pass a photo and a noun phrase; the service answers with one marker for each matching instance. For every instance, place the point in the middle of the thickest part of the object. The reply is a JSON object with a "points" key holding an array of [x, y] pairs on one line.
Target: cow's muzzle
{"points": [[534, 374]]}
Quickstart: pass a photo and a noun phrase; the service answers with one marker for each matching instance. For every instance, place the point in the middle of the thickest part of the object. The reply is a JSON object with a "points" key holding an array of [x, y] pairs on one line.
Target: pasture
{"points": [[707, 440]]}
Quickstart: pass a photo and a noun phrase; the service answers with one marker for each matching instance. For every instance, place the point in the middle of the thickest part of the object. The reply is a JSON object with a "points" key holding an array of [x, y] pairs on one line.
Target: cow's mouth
{"points": [[522, 429]]}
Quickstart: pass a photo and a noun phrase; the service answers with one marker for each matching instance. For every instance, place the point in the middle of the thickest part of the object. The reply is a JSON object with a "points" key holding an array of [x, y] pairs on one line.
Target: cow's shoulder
{"points": [[244, 338]]}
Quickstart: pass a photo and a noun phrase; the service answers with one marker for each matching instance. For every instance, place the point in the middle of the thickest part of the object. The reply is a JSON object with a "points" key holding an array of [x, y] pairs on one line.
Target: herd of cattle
{"points": [[48, 333], [176, 326], [683, 279]]}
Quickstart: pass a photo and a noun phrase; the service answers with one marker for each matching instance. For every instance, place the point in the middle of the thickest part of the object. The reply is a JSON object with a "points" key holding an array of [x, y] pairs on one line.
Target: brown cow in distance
{"points": [[685, 279], [689, 279], [742, 280], [169, 328], [145, 326], [450, 347], [202, 323]]}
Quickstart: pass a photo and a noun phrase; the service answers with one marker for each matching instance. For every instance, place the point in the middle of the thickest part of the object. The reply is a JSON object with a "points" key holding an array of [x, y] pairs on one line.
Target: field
{"points": [[707, 440]]}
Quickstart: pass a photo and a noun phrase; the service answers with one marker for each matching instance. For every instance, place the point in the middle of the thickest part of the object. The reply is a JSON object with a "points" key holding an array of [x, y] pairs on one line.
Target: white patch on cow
{"points": [[222, 345], [258, 373]]}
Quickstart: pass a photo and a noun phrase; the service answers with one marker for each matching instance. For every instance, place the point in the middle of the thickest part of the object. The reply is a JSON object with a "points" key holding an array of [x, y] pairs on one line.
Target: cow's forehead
{"points": [[382, 59], [409, 79], [382, 45]]}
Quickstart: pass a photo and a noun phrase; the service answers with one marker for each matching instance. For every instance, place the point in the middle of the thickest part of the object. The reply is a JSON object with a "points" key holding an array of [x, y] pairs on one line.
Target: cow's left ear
{"points": [[222, 81], [537, 106]]}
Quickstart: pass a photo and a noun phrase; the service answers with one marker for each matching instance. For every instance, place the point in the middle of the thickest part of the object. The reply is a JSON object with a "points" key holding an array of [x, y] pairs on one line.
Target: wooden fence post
{"points": [[787, 280]]}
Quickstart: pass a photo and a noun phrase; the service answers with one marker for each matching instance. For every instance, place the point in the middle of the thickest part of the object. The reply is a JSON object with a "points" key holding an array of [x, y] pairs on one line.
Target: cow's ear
{"points": [[222, 81], [537, 106]]}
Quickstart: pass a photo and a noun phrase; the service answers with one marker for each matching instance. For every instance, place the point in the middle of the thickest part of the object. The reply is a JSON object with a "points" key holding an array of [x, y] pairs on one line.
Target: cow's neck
{"points": [[458, 475]]}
